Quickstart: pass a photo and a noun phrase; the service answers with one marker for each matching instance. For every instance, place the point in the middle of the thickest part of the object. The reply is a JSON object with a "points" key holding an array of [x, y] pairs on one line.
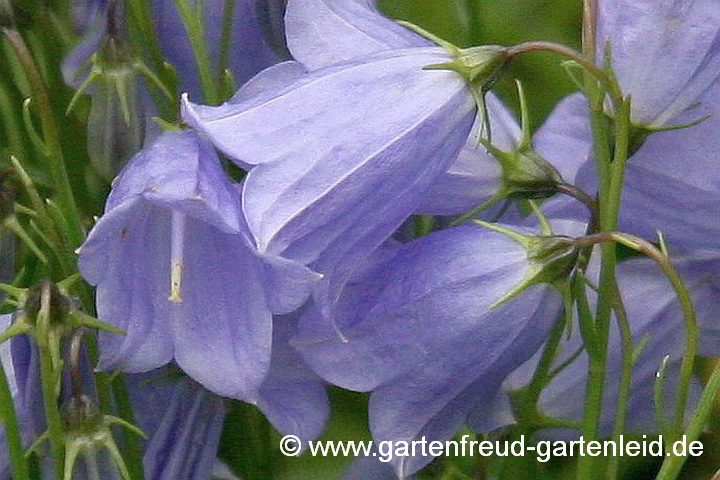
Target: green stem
{"points": [[133, 453], [195, 30], [541, 46], [56, 163], [15, 447], [50, 376], [684, 298], [623, 395], [610, 183], [673, 464]]}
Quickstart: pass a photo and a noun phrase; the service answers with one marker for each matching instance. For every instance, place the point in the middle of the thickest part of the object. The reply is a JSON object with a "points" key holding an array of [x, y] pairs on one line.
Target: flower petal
{"points": [[321, 33], [665, 53]]}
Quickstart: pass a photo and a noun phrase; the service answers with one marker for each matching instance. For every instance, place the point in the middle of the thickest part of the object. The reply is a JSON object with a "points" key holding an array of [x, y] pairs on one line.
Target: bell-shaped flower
{"points": [[665, 53], [176, 270], [341, 155], [658, 332], [340, 184], [431, 329]]}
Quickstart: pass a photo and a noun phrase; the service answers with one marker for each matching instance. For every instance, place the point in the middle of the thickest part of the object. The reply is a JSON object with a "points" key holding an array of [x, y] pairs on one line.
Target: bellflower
{"points": [[419, 331], [175, 269], [341, 155], [665, 53], [658, 324]]}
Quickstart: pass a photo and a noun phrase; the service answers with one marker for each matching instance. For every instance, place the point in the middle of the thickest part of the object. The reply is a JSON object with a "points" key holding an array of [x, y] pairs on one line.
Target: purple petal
{"points": [[675, 173], [220, 332], [437, 291], [181, 171], [332, 185], [321, 33], [185, 443], [293, 398], [665, 53]]}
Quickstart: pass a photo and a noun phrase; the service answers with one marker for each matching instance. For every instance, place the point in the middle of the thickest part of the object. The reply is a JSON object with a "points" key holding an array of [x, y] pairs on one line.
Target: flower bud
{"points": [[117, 121]]}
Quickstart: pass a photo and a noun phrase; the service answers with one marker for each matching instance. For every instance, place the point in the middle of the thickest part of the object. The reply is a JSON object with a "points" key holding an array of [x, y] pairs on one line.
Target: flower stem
{"points": [[49, 377], [194, 27], [672, 464]]}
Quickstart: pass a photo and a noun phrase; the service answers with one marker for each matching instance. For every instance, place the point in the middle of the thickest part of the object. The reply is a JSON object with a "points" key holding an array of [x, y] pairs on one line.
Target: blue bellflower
{"points": [[419, 332], [175, 268], [341, 155]]}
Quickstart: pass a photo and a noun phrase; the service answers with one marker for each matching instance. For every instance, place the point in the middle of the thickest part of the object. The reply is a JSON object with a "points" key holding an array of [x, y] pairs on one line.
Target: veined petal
{"points": [[333, 185], [330, 106], [321, 33], [422, 335], [184, 443], [665, 53], [181, 171], [434, 293]]}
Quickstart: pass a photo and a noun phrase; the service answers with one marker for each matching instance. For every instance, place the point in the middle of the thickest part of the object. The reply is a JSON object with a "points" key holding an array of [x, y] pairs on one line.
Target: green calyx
{"points": [[88, 433], [480, 66], [551, 259], [525, 173], [49, 313]]}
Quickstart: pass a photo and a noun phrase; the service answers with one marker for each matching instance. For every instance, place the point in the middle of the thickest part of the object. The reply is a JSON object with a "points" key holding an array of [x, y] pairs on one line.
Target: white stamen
{"points": [[177, 242]]}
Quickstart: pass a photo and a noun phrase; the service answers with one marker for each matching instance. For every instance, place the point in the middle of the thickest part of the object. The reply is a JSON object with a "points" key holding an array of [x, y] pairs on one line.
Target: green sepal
{"points": [[80, 318], [551, 259], [16, 328], [88, 430]]}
